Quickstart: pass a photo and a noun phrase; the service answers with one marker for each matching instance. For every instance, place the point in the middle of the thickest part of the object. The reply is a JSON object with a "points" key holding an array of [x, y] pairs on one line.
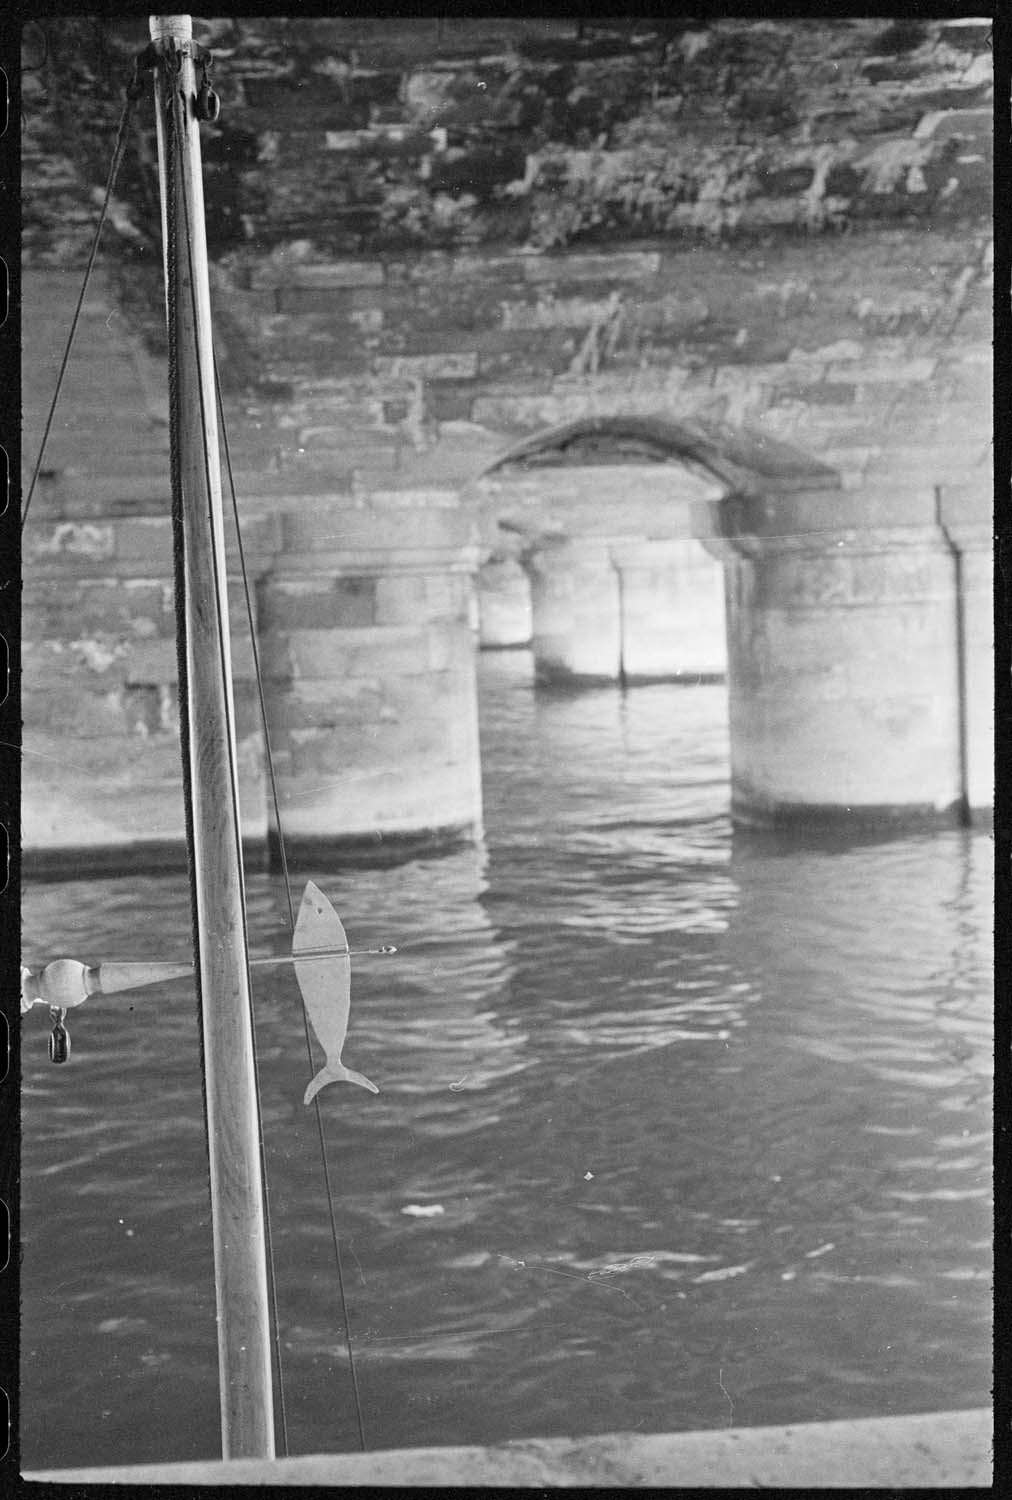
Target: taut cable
{"points": [[132, 94], [272, 778]]}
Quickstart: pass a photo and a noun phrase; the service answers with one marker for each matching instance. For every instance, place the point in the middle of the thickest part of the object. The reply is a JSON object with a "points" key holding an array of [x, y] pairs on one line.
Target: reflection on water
{"points": [[677, 1127]]}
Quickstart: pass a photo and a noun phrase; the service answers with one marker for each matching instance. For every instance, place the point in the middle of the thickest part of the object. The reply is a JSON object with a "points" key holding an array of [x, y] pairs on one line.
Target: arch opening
{"points": [[594, 553]]}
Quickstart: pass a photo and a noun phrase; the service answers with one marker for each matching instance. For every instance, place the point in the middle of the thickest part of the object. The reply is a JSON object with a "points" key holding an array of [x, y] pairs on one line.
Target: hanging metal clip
{"points": [[59, 1041], [208, 105]]}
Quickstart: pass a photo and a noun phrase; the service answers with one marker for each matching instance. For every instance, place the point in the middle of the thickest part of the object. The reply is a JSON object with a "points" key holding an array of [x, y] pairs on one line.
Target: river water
{"points": [[678, 1127]]}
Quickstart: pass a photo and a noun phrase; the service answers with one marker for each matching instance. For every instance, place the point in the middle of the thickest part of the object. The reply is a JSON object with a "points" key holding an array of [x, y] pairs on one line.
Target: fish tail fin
{"points": [[361, 1079], [323, 1077], [340, 1074]]}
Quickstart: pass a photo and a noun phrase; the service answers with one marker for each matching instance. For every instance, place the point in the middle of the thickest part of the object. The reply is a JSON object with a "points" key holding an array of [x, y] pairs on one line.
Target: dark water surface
{"points": [[705, 1117]]}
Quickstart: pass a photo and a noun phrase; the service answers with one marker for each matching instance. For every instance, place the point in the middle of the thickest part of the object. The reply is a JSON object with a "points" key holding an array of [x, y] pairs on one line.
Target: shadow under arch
{"points": [[744, 460]]}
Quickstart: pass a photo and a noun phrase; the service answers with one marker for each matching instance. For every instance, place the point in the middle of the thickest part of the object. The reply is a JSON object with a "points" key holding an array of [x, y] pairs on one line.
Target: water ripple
{"points": [[687, 1101]]}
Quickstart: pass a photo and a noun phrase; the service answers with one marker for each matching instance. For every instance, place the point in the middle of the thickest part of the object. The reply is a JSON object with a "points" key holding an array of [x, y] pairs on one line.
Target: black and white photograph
{"points": [[505, 721]]}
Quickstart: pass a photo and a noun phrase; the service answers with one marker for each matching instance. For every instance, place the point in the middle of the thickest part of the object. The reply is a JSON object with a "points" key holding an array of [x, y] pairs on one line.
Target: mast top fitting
{"points": [[174, 28]]}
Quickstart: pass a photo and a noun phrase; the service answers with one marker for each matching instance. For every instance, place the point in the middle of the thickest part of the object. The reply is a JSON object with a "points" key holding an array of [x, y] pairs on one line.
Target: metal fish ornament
{"points": [[320, 956], [326, 986]]}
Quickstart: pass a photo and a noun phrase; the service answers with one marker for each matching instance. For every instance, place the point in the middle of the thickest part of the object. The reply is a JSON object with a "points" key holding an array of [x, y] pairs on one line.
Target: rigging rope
{"points": [[175, 134], [272, 778], [133, 93]]}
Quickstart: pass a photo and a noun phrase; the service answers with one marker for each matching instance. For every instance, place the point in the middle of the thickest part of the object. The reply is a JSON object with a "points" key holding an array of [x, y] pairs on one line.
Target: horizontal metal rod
{"points": [[289, 958], [66, 983]]}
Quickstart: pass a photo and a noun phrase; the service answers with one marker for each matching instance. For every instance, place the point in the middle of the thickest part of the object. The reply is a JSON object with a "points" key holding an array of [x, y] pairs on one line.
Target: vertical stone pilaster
{"points": [[973, 560]]}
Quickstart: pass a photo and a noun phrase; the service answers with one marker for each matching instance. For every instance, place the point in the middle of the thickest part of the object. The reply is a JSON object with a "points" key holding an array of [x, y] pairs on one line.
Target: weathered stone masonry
{"points": [[433, 240]]}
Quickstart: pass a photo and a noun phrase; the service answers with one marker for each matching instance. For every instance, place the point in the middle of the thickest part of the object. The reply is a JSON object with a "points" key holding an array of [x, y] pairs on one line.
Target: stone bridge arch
{"points": [[594, 554], [858, 620]]}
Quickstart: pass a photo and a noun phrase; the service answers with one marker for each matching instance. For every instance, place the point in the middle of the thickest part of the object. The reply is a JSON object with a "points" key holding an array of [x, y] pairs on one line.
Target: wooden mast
{"points": [[237, 1210]]}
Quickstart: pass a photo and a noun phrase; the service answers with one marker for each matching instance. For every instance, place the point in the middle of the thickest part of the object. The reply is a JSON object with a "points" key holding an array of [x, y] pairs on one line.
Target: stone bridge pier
{"points": [[859, 655], [854, 625], [369, 648]]}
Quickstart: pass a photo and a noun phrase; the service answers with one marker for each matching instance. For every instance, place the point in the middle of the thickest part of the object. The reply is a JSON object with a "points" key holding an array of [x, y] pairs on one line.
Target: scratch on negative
{"points": [[326, 786], [573, 1276], [58, 760], [459, 1333], [358, 1263], [720, 1382]]}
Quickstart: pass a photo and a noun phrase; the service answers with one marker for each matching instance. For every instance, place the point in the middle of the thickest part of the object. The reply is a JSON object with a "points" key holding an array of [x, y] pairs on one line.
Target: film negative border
{"points": [[10, 734]]}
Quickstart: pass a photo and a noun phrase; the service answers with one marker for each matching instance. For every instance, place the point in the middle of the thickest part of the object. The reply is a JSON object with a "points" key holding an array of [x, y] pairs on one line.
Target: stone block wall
{"points": [[869, 353], [431, 239], [99, 693], [364, 613], [363, 135], [896, 400]]}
